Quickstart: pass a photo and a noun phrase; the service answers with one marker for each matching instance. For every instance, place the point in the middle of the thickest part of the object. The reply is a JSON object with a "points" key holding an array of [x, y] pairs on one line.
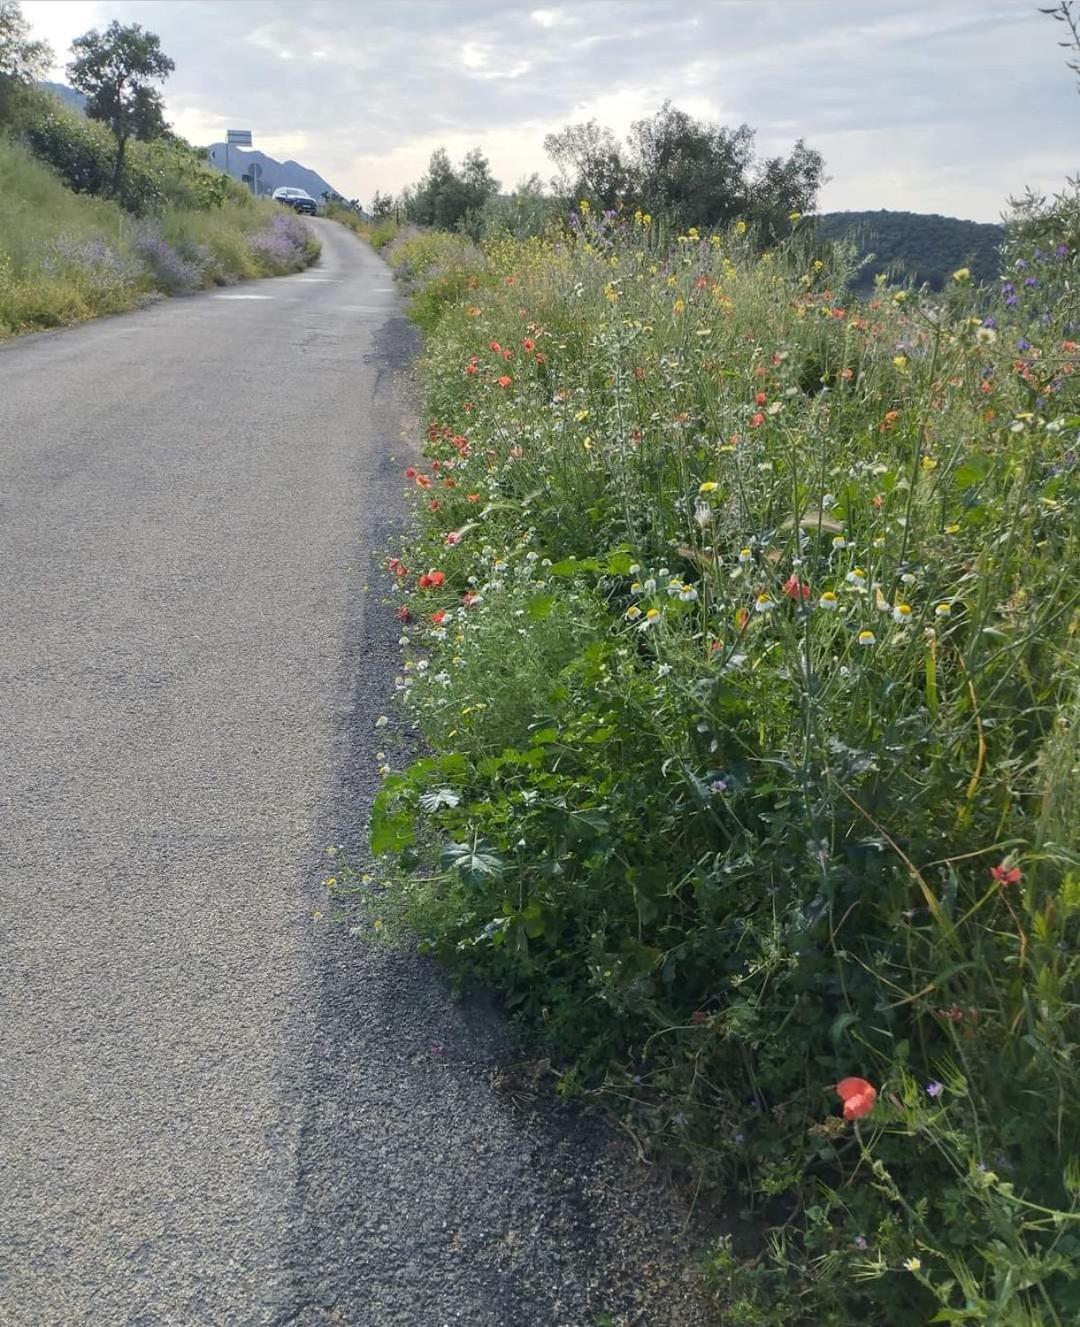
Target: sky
{"points": [[944, 106]]}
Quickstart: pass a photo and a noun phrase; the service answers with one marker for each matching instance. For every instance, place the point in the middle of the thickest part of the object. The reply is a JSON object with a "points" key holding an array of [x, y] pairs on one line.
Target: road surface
{"points": [[215, 1108]]}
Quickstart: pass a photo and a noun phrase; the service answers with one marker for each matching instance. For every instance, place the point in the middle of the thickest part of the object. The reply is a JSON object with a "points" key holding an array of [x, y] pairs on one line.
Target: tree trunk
{"points": [[118, 168]]}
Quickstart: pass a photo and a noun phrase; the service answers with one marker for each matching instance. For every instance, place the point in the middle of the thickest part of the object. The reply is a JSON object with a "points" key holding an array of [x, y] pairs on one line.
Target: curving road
{"points": [[216, 1109]]}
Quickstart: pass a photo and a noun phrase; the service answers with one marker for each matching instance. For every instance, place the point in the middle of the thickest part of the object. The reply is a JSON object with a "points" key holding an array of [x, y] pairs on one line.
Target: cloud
{"points": [[924, 104]]}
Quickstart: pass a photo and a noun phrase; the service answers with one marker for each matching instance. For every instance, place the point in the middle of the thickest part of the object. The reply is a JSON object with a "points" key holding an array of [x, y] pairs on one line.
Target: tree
{"points": [[1063, 12], [116, 69], [21, 60], [590, 164], [382, 206], [447, 198], [693, 172]]}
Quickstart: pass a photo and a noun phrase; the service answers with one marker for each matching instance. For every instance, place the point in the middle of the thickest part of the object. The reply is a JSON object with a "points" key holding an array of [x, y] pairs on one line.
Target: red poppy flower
{"points": [[796, 589], [439, 618], [454, 537], [423, 481], [858, 1097], [504, 381], [410, 472], [508, 354], [472, 497], [494, 345], [471, 370], [431, 580], [528, 344], [434, 506], [760, 398], [403, 614], [757, 420], [1006, 875]]}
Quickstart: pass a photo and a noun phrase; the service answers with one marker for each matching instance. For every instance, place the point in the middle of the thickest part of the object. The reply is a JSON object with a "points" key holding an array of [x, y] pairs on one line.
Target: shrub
{"points": [[744, 639]]}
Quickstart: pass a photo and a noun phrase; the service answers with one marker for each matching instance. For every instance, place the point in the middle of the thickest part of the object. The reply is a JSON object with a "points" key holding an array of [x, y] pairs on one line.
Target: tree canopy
{"points": [[446, 196], [22, 60], [692, 171], [116, 69]]}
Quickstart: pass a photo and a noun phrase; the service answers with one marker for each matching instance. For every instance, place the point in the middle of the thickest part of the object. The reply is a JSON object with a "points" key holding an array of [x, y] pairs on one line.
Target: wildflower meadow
{"points": [[740, 623]]}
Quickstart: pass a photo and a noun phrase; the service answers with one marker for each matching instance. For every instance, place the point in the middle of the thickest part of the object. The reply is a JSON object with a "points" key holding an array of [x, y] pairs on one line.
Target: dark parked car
{"points": [[298, 199]]}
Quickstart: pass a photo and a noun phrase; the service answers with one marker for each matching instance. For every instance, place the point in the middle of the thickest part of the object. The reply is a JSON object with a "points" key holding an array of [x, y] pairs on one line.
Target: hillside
{"points": [[275, 174], [72, 247], [923, 246], [75, 100]]}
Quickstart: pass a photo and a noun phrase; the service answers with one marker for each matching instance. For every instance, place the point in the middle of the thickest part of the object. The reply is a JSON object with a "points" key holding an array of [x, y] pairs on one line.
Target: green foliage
{"points": [[116, 70], [742, 632], [915, 246], [378, 233], [688, 171], [447, 198], [21, 59]]}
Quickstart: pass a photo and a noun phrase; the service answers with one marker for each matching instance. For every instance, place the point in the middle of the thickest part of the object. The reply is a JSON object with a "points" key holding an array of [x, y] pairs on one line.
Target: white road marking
{"points": [[243, 297]]}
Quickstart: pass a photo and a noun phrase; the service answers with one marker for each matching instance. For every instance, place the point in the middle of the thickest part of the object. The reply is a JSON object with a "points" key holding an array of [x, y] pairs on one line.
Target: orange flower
{"points": [[858, 1097], [472, 497], [439, 618], [505, 380]]}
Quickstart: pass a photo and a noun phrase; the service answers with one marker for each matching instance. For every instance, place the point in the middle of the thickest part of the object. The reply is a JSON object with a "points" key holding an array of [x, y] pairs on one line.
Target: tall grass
{"points": [[742, 625]]}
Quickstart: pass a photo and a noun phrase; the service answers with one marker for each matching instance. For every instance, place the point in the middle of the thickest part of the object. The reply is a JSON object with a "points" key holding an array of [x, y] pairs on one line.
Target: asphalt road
{"points": [[216, 1108]]}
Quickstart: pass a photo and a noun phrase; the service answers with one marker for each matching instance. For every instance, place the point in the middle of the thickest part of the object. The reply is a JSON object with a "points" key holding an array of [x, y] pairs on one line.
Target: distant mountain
{"points": [[922, 246], [67, 95], [275, 174]]}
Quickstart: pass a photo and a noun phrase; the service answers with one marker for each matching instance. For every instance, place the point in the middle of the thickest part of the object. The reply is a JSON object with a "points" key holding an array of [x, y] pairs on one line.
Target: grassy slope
{"points": [[67, 256]]}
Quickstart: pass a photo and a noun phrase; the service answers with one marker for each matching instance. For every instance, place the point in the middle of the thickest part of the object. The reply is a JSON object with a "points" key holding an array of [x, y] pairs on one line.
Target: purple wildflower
{"points": [[1023, 344], [935, 1089], [170, 270], [861, 1242]]}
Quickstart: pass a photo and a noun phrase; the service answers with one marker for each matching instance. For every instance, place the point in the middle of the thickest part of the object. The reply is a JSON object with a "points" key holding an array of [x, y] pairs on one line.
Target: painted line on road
{"points": [[243, 297]]}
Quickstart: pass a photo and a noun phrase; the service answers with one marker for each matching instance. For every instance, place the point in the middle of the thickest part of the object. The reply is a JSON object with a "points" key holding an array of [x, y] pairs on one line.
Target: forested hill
{"points": [[921, 245]]}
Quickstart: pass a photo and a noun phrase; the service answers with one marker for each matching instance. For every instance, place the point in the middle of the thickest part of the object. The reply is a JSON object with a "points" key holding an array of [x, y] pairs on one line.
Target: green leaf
{"points": [[474, 862], [540, 606], [573, 567], [392, 829], [438, 798], [619, 562]]}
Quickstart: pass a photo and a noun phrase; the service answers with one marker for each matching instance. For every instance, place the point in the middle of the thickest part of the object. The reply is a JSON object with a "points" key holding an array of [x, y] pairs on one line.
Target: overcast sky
{"points": [[929, 105]]}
